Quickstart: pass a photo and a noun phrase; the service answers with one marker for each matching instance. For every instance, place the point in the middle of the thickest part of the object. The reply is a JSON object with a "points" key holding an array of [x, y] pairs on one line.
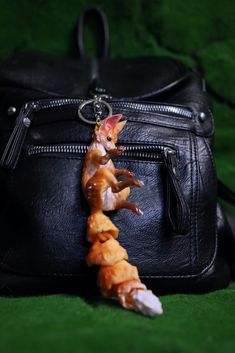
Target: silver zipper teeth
{"points": [[161, 108], [150, 152], [53, 103]]}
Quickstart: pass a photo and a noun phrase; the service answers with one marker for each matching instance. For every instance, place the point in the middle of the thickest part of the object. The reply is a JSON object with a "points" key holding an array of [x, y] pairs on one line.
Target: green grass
{"points": [[191, 323]]}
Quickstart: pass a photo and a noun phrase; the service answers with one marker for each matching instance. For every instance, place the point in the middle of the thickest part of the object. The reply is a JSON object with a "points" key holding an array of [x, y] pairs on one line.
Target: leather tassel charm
{"points": [[104, 192]]}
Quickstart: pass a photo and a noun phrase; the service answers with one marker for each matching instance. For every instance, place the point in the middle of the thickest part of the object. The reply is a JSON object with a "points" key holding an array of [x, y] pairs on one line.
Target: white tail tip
{"points": [[145, 302]]}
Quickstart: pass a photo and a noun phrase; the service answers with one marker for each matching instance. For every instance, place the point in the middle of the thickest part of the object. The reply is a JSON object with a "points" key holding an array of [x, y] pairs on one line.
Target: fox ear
{"points": [[119, 127], [111, 121]]}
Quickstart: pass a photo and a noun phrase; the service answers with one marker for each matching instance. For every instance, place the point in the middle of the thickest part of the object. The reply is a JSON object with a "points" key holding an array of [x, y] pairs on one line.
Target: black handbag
{"points": [[183, 241]]}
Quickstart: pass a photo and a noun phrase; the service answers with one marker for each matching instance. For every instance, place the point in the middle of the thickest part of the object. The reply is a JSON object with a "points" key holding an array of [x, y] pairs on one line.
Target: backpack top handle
{"points": [[96, 14]]}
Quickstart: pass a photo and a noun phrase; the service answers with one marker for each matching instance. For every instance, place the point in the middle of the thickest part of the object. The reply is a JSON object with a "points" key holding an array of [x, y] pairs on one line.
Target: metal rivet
{"points": [[26, 122], [11, 111], [202, 116]]}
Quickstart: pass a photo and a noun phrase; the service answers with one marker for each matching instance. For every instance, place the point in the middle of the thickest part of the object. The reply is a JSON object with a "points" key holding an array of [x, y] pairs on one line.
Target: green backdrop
{"points": [[202, 34]]}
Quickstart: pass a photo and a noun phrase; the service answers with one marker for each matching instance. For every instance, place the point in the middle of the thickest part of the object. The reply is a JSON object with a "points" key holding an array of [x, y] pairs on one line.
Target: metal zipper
{"points": [[131, 151], [177, 210], [156, 108], [136, 106], [14, 146]]}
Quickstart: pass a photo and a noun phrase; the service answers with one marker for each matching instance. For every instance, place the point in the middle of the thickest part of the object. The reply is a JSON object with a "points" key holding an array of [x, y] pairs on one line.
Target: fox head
{"points": [[107, 131]]}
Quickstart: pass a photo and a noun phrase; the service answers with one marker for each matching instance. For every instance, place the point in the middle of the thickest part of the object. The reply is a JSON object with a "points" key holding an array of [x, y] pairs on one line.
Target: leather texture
{"points": [[120, 78], [43, 212]]}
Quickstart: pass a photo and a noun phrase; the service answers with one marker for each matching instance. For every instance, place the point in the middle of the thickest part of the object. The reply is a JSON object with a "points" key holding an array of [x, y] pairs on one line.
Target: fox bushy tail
{"points": [[116, 276]]}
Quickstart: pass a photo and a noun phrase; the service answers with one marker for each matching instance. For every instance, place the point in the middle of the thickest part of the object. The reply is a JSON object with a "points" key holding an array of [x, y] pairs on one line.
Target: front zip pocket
{"points": [[16, 141], [177, 210]]}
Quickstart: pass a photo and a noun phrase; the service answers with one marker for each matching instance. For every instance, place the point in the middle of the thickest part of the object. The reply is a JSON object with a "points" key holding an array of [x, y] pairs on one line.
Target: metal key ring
{"points": [[110, 111]]}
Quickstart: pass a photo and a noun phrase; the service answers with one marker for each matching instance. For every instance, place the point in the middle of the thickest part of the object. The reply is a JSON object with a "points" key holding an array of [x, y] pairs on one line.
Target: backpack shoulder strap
{"points": [[225, 193]]}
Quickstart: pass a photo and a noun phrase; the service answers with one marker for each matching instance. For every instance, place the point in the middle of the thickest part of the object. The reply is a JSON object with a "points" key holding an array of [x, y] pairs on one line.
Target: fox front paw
{"points": [[120, 149], [129, 174], [139, 212], [138, 183]]}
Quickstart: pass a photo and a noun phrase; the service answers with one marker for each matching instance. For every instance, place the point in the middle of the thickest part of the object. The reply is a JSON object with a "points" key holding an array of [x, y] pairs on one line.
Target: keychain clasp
{"points": [[97, 102]]}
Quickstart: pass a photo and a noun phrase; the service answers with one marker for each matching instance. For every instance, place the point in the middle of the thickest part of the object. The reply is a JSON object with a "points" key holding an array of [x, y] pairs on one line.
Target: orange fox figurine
{"points": [[103, 192]]}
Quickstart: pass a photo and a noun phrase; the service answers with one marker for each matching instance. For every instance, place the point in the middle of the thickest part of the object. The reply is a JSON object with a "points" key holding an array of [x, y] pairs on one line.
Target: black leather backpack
{"points": [[183, 241]]}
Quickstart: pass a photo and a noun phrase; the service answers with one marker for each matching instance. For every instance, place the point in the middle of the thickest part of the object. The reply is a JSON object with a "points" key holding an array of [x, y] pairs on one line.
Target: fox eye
{"points": [[109, 138]]}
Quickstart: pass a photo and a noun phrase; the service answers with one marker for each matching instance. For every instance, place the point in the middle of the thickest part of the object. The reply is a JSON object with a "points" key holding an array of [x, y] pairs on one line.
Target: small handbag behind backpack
{"points": [[47, 109]]}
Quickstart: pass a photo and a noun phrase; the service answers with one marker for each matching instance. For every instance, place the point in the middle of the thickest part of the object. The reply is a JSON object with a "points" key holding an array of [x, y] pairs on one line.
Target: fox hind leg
{"points": [[120, 185], [130, 206]]}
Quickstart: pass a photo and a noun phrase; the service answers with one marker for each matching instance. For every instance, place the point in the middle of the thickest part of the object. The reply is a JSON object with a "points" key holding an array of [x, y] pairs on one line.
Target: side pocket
{"points": [[206, 203]]}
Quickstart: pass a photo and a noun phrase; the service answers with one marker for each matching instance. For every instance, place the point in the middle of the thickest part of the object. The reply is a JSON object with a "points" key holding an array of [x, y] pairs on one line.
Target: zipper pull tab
{"points": [[172, 162], [97, 106], [177, 208], [15, 143]]}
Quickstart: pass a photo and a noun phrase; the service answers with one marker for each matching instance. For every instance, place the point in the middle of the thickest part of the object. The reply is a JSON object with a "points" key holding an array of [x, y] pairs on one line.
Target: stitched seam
{"points": [[191, 275], [191, 128], [193, 199], [210, 155], [144, 276], [5, 257], [213, 167], [191, 202], [196, 198]]}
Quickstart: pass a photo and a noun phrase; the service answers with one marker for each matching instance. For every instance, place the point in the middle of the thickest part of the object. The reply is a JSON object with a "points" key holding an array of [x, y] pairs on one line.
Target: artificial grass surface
{"points": [[65, 324]]}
